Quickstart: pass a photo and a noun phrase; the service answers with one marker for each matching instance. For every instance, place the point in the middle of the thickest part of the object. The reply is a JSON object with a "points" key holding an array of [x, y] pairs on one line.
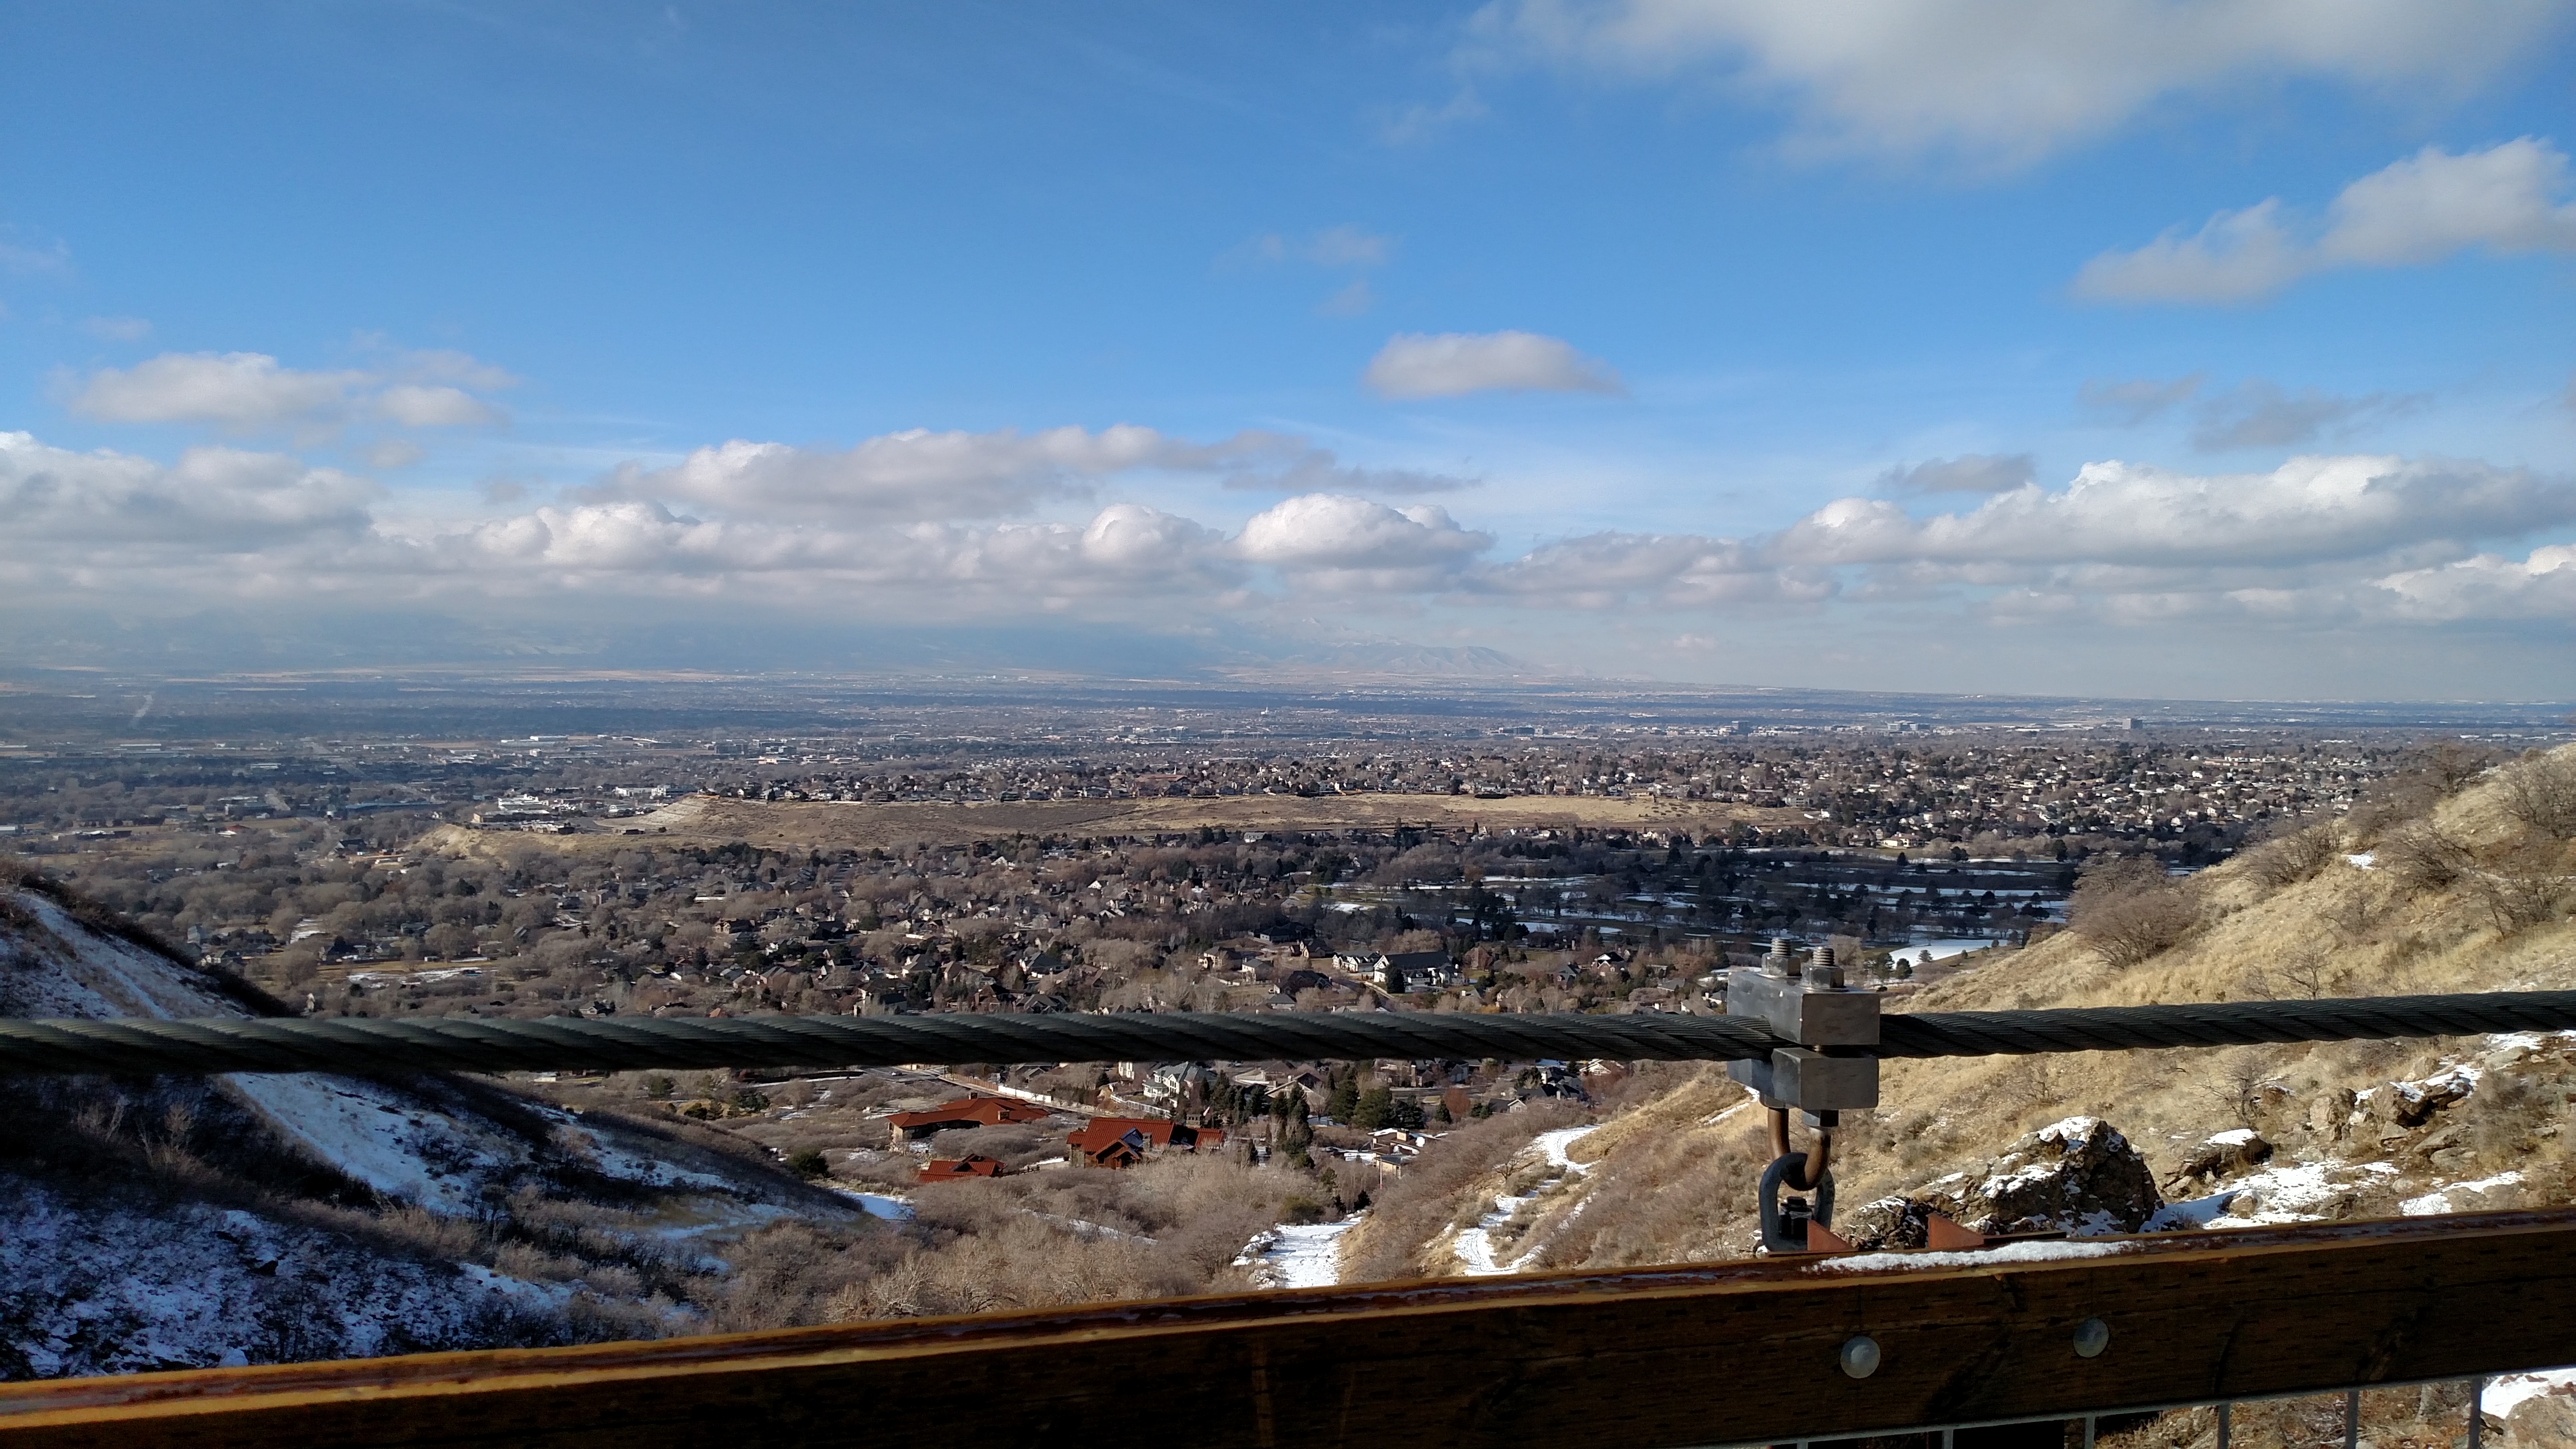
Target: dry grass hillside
{"points": [[2423, 891]]}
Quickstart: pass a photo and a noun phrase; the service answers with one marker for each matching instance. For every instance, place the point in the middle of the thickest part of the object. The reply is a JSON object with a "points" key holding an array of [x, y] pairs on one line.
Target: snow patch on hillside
{"points": [[87, 1288], [1474, 1246]]}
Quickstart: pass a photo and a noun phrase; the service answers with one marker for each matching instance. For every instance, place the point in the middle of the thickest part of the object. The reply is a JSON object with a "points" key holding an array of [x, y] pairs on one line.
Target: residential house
{"points": [[1125, 1141], [978, 1111], [955, 1169], [1398, 972]]}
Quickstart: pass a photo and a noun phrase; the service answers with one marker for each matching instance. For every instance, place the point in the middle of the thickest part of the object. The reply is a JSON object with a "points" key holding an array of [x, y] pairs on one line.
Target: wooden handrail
{"points": [[1721, 1353]]}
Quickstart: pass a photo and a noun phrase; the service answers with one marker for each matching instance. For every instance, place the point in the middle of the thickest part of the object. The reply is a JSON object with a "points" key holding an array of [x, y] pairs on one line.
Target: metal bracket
{"points": [[1813, 1008], [1810, 1081]]}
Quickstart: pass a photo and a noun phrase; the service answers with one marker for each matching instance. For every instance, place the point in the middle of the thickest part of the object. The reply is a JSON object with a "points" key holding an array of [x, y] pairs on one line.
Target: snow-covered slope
{"points": [[182, 1222]]}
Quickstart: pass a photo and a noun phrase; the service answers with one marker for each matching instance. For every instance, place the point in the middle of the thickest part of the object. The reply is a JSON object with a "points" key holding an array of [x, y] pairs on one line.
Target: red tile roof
{"points": [[971, 1111], [952, 1169]]}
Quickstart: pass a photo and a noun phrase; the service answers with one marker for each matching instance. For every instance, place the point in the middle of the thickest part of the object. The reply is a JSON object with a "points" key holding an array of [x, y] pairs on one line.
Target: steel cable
{"points": [[143, 1047], [2248, 1023], [465, 1044]]}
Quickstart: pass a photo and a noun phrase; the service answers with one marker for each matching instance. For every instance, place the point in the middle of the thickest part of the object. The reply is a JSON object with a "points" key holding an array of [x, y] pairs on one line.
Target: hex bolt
{"points": [[2091, 1337], [1860, 1356]]}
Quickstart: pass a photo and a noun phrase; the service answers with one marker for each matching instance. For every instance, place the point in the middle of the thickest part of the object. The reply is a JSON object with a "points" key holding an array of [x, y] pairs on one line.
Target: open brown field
{"points": [[820, 825]]}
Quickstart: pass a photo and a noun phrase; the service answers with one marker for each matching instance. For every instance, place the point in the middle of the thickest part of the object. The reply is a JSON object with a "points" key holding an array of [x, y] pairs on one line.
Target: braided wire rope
{"points": [[143, 1047]]}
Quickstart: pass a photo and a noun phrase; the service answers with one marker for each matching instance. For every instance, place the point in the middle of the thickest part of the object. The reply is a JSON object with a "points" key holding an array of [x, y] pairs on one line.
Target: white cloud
{"points": [[2005, 82], [1968, 473], [2542, 586], [1355, 539], [924, 475], [211, 499], [2318, 541], [426, 405], [2308, 509], [248, 392], [239, 391], [1451, 364], [2505, 199], [2236, 256]]}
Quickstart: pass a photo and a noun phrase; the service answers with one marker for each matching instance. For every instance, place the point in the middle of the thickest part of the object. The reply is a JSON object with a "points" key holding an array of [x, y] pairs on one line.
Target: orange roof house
{"points": [[955, 1169], [964, 1112], [1120, 1141]]}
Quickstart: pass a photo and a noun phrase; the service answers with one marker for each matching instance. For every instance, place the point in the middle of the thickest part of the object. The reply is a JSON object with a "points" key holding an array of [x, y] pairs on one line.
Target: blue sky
{"points": [[2153, 347]]}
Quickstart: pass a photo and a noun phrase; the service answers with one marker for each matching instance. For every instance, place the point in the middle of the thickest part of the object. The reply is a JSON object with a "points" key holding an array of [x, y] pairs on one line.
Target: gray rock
{"points": [[2547, 1422], [2330, 1116], [2226, 1153], [2076, 1176], [1890, 1222]]}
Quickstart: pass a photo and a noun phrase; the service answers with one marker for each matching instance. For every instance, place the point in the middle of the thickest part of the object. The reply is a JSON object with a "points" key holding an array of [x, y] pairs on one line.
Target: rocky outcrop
{"points": [[2077, 1176], [2224, 1153], [1890, 1222]]}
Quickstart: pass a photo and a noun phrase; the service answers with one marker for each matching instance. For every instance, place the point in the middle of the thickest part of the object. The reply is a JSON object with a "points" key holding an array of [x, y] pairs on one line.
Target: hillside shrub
{"points": [[2422, 857], [2292, 858], [2129, 910], [2539, 792]]}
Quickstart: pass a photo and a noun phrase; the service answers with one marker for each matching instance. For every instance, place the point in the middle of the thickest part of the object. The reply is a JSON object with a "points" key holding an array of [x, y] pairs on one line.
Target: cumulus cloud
{"points": [[2505, 199], [2346, 538], [2541, 585], [210, 499], [1451, 364], [1968, 473], [2310, 508], [249, 392], [1354, 541], [919, 474], [2005, 82]]}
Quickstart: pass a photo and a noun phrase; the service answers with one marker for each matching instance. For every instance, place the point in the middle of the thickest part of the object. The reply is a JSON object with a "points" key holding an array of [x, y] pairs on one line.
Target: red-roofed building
{"points": [[1121, 1141], [964, 1112], [959, 1168]]}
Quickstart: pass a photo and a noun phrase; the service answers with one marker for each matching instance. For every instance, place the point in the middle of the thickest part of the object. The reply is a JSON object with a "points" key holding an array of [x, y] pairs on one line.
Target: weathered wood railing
{"points": [[1727, 1353]]}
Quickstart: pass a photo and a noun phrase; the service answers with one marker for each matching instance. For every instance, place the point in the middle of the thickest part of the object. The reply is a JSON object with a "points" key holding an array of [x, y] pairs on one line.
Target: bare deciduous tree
{"points": [[2539, 792], [2129, 910]]}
